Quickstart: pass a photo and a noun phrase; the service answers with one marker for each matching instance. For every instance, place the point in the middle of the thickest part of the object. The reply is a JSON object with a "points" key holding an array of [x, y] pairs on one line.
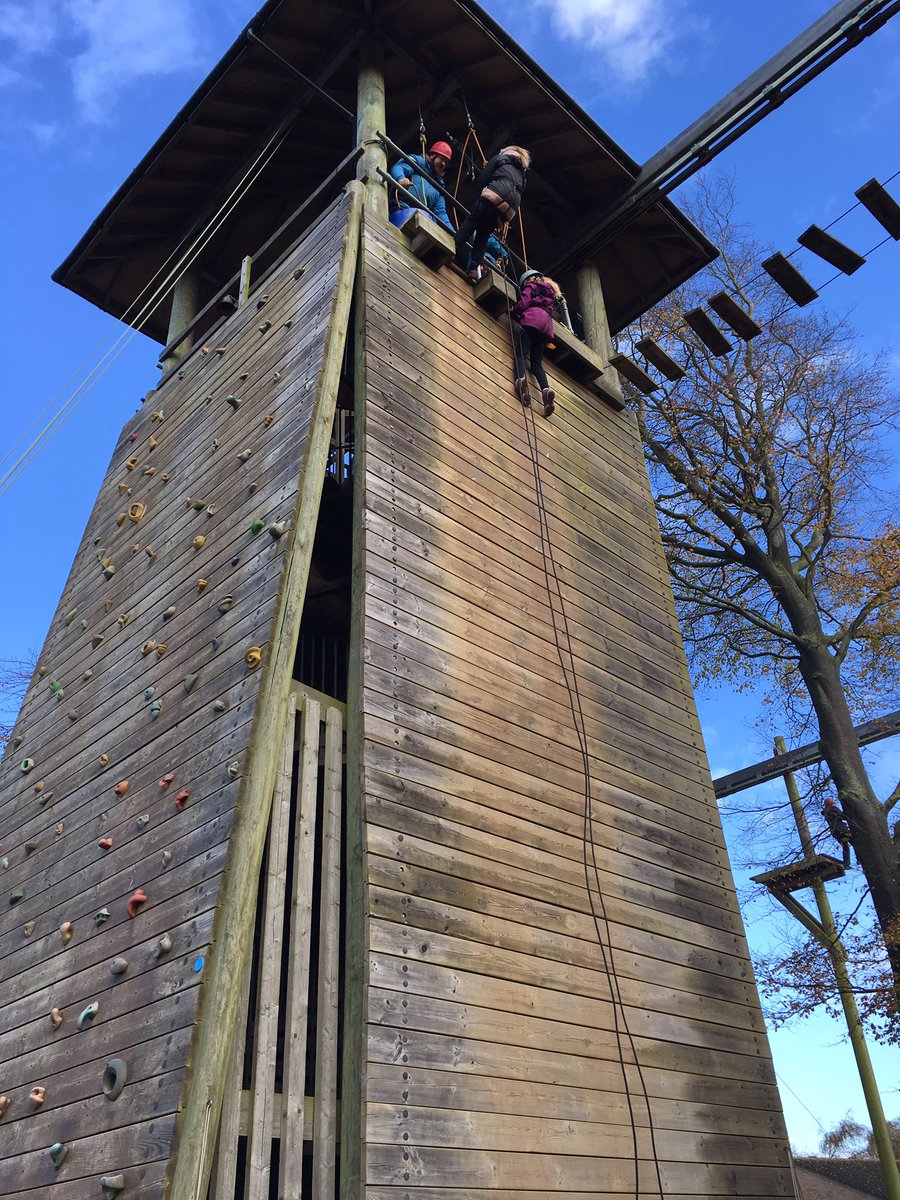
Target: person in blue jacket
{"points": [[419, 180]]}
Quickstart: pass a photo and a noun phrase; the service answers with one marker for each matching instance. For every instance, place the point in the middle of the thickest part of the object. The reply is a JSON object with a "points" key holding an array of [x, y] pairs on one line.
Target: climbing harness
{"points": [[563, 641]]}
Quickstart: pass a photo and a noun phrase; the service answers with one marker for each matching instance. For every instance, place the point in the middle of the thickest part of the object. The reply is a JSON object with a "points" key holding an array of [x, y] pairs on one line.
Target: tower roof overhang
{"points": [[442, 58]]}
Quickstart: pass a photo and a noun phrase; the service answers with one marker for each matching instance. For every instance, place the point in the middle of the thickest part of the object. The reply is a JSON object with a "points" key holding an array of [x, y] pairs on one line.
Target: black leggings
{"points": [[530, 350], [482, 221]]}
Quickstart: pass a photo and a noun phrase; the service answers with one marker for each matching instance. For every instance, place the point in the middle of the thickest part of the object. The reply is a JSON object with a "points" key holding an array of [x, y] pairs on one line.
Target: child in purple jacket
{"points": [[533, 329]]}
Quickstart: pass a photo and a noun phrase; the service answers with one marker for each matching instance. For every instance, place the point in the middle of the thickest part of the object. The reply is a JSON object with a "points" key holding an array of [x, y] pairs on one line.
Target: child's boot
{"points": [[521, 386], [549, 397]]}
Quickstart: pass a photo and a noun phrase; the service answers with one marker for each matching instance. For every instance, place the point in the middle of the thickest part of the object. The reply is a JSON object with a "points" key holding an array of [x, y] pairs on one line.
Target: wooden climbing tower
{"points": [[357, 833]]}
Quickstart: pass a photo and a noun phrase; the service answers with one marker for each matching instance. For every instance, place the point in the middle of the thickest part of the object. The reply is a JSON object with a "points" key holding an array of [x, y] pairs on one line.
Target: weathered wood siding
{"points": [[503, 1018], [271, 363]]}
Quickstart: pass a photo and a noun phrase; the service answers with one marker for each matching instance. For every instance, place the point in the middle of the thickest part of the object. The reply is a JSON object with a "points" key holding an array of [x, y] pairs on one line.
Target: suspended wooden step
{"points": [[657, 357], [789, 279], [494, 292], [429, 241], [883, 207], [708, 333], [583, 363], [732, 314], [831, 249], [629, 370], [821, 868]]}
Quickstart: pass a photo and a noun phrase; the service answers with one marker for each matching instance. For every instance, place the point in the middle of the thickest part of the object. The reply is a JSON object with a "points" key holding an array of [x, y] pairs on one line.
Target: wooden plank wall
{"points": [[503, 1058], [99, 730]]}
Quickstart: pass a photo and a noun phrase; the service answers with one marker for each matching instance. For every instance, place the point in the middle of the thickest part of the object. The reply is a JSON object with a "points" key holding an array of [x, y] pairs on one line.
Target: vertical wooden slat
{"points": [[294, 1074], [262, 1116], [224, 1177], [325, 1121]]}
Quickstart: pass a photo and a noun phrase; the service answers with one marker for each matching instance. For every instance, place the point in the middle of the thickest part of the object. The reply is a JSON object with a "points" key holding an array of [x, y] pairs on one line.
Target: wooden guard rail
{"points": [[269, 1097]]}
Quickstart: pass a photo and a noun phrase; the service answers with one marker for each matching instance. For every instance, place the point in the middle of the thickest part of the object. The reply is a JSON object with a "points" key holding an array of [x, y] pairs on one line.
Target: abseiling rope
{"points": [[174, 267], [589, 857]]}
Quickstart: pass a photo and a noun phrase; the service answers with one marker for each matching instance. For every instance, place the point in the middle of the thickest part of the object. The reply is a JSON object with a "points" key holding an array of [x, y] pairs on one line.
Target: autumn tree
{"points": [[784, 556]]}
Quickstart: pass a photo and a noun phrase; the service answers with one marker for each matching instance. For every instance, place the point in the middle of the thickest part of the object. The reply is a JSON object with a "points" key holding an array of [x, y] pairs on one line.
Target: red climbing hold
{"points": [[167, 779], [135, 903], [182, 798], [105, 843]]}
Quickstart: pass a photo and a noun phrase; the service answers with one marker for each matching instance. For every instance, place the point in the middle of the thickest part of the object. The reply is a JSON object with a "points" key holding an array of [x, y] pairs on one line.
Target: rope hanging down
{"points": [[563, 642], [143, 306]]}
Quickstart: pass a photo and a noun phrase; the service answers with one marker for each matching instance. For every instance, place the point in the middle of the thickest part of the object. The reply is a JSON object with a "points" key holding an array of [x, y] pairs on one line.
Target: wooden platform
{"points": [[530, 958]]}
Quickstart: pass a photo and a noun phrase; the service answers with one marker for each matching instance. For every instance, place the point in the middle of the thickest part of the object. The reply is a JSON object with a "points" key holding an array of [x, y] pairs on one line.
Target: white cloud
{"points": [[628, 37], [104, 45], [126, 42]]}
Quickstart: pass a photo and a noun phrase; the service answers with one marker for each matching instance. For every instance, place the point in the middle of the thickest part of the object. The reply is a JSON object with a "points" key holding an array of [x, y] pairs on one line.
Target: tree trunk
{"points": [[865, 816]]}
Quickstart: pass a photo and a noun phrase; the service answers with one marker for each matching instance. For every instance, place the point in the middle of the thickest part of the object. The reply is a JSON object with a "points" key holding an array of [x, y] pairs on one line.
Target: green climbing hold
{"points": [[190, 682], [87, 1015], [233, 401], [114, 1078], [58, 1152], [148, 692], [30, 848], [16, 895], [70, 616], [109, 571], [26, 765], [155, 709], [55, 686], [258, 526], [244, 455]]}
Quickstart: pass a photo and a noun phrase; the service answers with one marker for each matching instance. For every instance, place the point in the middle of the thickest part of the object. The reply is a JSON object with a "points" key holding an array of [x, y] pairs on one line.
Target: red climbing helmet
{"points": [[443, 149]]}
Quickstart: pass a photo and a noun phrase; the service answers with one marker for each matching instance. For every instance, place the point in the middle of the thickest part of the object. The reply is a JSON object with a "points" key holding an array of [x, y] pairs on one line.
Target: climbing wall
{"points": [[524, 1039], [124, 777]]}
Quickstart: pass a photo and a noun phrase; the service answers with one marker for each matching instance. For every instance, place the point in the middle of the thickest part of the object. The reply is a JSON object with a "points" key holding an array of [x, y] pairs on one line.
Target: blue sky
{"points": [[86, 86]]}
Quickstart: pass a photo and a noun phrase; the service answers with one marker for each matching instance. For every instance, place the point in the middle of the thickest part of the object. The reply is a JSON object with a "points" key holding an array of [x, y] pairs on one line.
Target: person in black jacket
{"points": [[500, 186]]}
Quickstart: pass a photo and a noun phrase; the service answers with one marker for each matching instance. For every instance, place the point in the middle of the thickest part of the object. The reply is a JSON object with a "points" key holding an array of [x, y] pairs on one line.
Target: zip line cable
{"points": [[182, 261], [589, 860]]}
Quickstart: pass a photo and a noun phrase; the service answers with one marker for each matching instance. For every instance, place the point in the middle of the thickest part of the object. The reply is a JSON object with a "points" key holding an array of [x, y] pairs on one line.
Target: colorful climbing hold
{"points": [[214, 642], [148, 647], [136, 511], [70, 616], [132, 437], [30, 927], [233, 402], [114, 1078], [153, 442], [199, 542], [190, 682], [196, 505], [124, 489], [60, 828], [225, 604], [149, 471], [4, 862], [198, 964], [87, 1015], [158, 415], [111, 1185], [131, 464], [220, 706], [234, 769], [39, 787], [36, 1096], [30, 848], [56, 1017], [155, 709], [55, 686], [74, 714], [265, 327], [253, 657], [170, 612], [167, 779], [16, 895], [88, 674], [236, 560], [138, 899], [118, 966], [244, 455], [26, 765], [148, 692], [58, 1152], [142, 820], [202, 584], [181, 799], [161, 649], [277, 529], [104, 760], [268, 419], [150, 552], [101, 916], [163, 946], [121, 519], [258, 526], [121, 787], [109, 571], [97, 640], [66, 932], [165, 478], [105, 843], [4, 1105]]}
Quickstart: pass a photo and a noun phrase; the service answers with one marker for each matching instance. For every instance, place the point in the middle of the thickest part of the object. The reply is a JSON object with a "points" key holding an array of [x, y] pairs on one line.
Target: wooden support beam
{"points": [[233, 930], [185, 299], [882, 205], [829, 248], [596, 326], [370, 117], [726, 307], [708, 332], [657, 357], [789, 279], [820, 868]]}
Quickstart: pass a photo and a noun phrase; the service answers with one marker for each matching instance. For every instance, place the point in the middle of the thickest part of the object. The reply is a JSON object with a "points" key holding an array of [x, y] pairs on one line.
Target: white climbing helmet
{"points": [[526, 275]]}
